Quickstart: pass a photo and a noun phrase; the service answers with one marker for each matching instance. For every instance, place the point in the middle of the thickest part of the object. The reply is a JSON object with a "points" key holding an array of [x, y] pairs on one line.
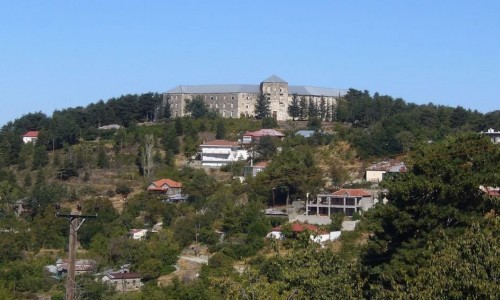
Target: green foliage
{"points": [[294, 107], [197, 108], [262, 107], [337, 220], [440, 195], [220, 132], [269, 122]]}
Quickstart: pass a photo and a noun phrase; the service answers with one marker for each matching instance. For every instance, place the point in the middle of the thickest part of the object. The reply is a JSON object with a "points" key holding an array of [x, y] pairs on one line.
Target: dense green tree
{"points": [[197, 107], [262, 107], [220, 131], [294, 107], [40, 157], [440, 195], [302, 108]]}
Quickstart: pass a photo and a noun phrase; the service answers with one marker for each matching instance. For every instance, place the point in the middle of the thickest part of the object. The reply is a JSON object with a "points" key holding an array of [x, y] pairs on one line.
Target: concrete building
{"points": [[236, 100], [378, 171], [493, 135], [124, 281], [219, 153], [346, 201]]}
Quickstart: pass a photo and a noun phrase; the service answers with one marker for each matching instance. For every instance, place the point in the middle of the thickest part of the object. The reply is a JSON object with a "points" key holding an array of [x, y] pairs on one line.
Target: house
{"points": [[30, 137], [82, 266], [124, 281], [166, 186], [110, 127], [219, 153], [493, 135], [377, 171], [253, 170], [305, 133], [346, 201], [255, 136], [317, 235], [138, 234]]}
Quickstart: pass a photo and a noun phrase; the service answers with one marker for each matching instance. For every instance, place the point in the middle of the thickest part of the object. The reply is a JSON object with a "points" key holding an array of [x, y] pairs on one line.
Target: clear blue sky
{"points": [[59, 54]]}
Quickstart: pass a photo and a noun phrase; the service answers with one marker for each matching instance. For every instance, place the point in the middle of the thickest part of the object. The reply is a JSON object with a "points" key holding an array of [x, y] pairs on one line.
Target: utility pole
{"points": [[76, 220]]}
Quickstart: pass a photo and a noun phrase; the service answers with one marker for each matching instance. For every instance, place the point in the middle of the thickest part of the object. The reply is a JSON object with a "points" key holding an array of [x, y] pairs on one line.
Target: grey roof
{"points": [[315, 91], [215, 89], [305, 133], [274, 79]]}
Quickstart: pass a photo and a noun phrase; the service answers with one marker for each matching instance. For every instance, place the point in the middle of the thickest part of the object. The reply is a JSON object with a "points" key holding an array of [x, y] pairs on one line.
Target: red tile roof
{"points": [[32, 134], [352, 193], [264, 132], [299, 227], [262, 164], [220, 143], [160, 183]]}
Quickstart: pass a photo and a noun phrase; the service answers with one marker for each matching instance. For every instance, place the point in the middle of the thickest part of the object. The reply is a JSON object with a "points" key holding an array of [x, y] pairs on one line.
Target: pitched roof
{"points": [[169, 182], [264, 132], [219, 143], [299, 227], [126, 275], [261, 164], [315, 91], [32, 134], [215, 89], [352, 193], [274, 79]]}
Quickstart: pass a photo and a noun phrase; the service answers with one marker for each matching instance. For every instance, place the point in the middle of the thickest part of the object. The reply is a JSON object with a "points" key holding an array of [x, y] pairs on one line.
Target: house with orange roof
{"points": [[346, 201], [316, 234], [219, 153], [166, 186], [30, 136]]}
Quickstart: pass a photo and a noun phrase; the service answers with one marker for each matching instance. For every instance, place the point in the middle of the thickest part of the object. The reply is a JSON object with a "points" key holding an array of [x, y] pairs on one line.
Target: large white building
{"points": [[219, 153], [235, 100]]}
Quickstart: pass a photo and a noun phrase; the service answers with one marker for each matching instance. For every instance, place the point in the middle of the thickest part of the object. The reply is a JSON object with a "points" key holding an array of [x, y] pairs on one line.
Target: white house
{"points": [[218, 153], [30, 137], [377, 171], [317, 235], [138, 234], [493, 135]]}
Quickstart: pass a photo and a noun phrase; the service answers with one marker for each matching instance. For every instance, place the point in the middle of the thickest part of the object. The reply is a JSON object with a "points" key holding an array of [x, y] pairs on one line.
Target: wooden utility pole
{"points": [[76, 219]]}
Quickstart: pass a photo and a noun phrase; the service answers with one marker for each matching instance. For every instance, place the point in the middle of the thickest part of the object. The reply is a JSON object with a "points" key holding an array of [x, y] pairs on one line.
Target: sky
{"points": [[62, 54]]}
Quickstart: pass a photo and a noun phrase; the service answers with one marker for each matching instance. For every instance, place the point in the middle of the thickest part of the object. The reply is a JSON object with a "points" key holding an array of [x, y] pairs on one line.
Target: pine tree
{"points": [[262, 107], [294, 107]]}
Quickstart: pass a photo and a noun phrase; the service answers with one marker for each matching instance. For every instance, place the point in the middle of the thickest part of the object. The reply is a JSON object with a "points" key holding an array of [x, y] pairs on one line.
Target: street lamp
{"points": [[76, 220]]}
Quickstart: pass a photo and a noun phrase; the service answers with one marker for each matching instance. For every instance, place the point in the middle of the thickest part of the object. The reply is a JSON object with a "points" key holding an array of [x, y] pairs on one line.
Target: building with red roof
{"points": [[30, 136], [346, 201], [219, 153], [253, 136], [166, 186]]}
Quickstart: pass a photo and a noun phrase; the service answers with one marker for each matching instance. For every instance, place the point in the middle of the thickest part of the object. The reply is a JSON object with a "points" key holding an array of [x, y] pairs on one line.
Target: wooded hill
{"points": [[435, 238]]}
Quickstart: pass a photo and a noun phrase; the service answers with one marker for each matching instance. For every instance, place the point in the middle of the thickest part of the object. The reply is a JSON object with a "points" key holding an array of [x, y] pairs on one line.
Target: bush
{"points": [[123, 189]]}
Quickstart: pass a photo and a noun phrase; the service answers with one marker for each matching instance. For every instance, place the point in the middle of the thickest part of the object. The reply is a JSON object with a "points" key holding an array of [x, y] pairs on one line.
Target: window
{"points": [[211, 97], [216, 105], [232, 105], [231, 114], [223, 113], [223, 105]]}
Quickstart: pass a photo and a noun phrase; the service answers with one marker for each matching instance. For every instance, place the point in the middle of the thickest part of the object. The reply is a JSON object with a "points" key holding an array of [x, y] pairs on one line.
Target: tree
{"points": [[312, 109], [102, 157], [303, 108], [197, 107], [323, 108], [266, 148], [220, 131], [167, 108], [294, 107], [439, 195], [262, 107]]}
